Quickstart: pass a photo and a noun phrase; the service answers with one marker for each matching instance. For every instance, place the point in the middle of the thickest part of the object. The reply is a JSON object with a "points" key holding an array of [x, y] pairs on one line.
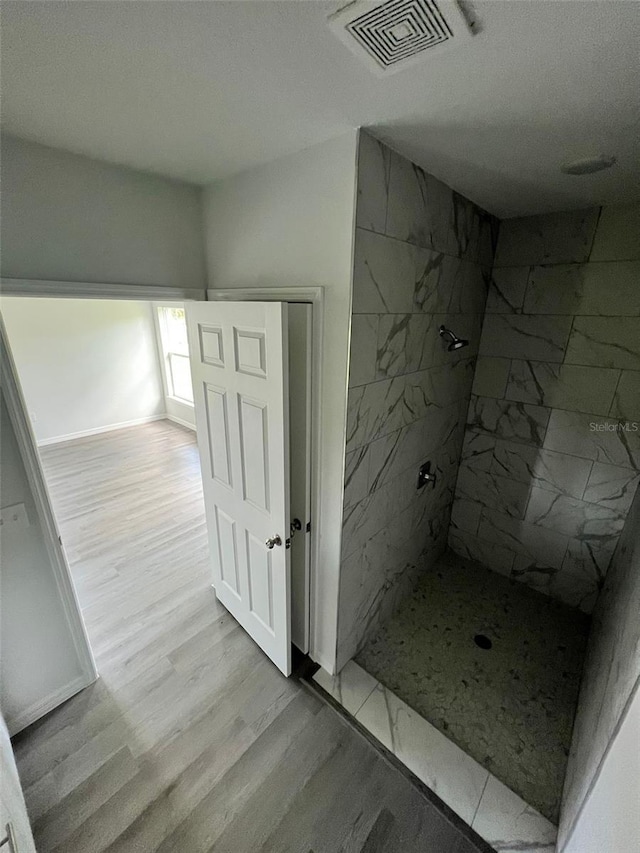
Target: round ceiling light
{"points": [[588, 165]]}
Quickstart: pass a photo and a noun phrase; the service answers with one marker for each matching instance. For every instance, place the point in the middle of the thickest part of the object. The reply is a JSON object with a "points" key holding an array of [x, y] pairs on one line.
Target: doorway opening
{"points": [[107, 387]]}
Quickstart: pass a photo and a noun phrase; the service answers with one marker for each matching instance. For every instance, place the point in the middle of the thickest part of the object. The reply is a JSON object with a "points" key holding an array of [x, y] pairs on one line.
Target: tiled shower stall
{"points": [[533, 433]]}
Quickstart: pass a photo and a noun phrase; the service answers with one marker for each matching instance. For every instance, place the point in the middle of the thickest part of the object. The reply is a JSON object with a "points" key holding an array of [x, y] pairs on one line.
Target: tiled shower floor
{"points": [[510, 707]]}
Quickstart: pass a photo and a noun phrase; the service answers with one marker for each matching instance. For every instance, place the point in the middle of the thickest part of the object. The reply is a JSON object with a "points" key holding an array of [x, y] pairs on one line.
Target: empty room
{"points": [[320, 426]]}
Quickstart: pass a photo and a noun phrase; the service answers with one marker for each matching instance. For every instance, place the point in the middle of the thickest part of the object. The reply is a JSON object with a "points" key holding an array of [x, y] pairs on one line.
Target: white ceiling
{"points": [[203, 90]]}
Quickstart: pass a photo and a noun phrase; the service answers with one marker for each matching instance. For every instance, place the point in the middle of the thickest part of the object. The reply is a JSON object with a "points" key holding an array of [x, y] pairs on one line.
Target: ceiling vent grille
{"points": [[393, 35]]}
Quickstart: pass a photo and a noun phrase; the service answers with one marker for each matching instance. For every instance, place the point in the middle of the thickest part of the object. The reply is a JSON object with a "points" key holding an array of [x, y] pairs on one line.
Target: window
{"points": [[175, 350]]}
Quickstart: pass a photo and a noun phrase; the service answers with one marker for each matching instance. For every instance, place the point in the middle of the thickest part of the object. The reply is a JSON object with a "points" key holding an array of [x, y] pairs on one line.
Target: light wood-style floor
{"points": [[191, 740]]}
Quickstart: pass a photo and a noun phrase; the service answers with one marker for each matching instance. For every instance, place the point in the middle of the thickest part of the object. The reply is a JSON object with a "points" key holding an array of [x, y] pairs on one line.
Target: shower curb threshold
{"points": [[498, 815]]}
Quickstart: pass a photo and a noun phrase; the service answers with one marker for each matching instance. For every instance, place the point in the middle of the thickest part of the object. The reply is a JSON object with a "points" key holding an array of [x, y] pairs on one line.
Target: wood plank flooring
{"points": [[191, 740]]}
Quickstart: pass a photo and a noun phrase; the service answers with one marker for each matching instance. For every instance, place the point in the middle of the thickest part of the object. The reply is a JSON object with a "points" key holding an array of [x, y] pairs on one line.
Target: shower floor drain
{"points": [[482, 641]]}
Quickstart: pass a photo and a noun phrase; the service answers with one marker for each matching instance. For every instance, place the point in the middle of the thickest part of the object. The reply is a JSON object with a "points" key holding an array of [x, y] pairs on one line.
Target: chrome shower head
{"points": [[454, 341]]}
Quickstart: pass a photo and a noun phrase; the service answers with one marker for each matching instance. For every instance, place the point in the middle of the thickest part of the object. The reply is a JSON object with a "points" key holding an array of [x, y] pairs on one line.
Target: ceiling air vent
{"points": [[394, 35]]}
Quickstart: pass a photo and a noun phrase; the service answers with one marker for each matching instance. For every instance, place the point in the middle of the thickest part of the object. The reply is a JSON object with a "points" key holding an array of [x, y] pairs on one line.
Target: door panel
{"points": [[239, 366]]}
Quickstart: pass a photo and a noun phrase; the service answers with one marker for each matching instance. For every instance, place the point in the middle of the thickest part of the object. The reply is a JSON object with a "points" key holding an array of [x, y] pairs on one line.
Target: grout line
{"points": [[413, 373], [593, 415], [586, 484], [595, 233], [615, 391], [474, 263], [484, 788]]}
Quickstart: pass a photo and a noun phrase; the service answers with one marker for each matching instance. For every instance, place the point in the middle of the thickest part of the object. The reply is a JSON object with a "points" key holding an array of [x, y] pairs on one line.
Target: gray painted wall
{"points": [[611, 675], [66, 217], [423, 255], [547, 477]]}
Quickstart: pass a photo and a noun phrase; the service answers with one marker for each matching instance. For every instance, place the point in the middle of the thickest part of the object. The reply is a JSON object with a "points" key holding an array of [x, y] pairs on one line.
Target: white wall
{"points": [[287, 224], [12, 805], [610, 817], [84, 365], [38, 657], [66, 217]]}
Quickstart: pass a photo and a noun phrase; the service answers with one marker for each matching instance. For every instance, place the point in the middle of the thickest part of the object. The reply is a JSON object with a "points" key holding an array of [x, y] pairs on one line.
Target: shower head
{"points": [[454, 341]]}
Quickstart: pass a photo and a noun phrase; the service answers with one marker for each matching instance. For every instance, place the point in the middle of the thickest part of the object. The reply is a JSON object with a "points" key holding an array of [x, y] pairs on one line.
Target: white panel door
{"points": [[239, 366]]}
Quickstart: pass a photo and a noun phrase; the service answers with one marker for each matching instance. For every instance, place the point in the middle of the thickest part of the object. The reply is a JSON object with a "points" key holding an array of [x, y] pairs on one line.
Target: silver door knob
{"points": [[275, 540]]}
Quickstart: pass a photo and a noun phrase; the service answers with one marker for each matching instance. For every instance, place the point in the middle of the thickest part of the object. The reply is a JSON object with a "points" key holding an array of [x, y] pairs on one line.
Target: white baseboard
{"points": [[43, 706], [179, 421], [58, 439]]}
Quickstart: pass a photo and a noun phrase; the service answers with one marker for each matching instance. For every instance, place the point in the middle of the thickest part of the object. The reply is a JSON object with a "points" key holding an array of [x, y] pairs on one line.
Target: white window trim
{"points": [[167, 385]]}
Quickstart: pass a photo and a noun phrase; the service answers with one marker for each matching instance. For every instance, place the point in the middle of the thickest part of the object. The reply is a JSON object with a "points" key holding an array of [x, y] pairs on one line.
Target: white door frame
{"points": [[314, 296], [152, 293], [26, 441]]}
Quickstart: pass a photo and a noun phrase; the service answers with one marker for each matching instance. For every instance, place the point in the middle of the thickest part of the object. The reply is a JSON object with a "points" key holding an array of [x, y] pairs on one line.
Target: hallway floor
{"points": [[511, 706], [191, 740]]}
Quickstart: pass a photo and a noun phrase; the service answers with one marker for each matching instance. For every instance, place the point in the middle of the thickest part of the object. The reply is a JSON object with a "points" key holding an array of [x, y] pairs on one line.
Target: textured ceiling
{"points": [[203, 90]]}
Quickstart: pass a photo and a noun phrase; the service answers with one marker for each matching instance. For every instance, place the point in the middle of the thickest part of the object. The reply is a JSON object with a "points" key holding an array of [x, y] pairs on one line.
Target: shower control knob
{"points": [[275, 540]]}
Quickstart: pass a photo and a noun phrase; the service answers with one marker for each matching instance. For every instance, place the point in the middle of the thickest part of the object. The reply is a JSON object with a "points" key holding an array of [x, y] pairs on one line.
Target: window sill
{"points": [[180, 400]]}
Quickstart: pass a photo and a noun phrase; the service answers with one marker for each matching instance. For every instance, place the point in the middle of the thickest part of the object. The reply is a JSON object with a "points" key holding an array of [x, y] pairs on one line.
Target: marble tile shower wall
{"points": [[423, 255], [611, 671], [551, 456]]}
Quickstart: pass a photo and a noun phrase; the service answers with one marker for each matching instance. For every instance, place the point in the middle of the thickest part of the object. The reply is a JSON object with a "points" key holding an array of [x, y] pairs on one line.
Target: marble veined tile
{"points": [[539, 338], [550, 238], [563, 386], [611, 486], [582, 574], [626, 401], [383, 274], [438, 762], [605, 342], [420, 208], [506, 290], [509, 824], [351, 687], [491, 377], [379, 408], [496, 557], [576, 518], [465, 514], [593, 437], [477, 449], [434, 281], [465, 230], [543, 546], [404, 343], [605, 289], [407, 217], [373, 183], [506, 419], [491, 490], [489, 228], [557, 472], [364, 348], [586, 560], [574, 589], [356, 476], [618, 234], [374, 410], [412, 444], [470, 286]]}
